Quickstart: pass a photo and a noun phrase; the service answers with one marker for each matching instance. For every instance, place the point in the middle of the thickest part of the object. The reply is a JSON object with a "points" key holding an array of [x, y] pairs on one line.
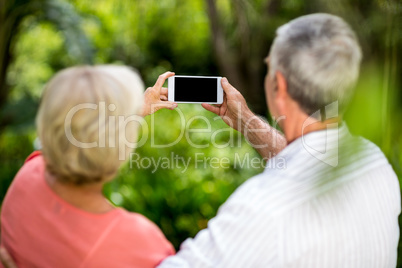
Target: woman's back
{"points": [[42, 230]]}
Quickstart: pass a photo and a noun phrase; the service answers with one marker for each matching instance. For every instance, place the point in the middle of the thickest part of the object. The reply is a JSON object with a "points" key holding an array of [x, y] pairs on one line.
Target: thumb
{"points": [[227, 87], [210, 108]]}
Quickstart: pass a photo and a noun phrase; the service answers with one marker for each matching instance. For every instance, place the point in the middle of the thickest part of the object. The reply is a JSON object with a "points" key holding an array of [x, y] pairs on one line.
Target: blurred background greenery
{"points": [[199, 37]]}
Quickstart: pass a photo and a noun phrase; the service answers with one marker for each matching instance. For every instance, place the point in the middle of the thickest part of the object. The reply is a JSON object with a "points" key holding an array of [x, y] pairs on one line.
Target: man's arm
{"points": [[243, 233], [235, 113]]}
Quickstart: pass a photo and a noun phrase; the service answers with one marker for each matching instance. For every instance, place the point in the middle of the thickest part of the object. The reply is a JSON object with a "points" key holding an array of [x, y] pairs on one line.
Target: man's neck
{"points": [[297, 126], [87, 197]]}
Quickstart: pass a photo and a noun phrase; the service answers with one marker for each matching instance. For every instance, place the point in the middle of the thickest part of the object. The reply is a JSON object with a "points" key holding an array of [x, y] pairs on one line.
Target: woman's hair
{"points": [[86, 117]]}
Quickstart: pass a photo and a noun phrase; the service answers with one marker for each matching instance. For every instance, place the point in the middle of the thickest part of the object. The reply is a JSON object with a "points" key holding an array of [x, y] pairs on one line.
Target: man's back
{"points": [[332, 205]]}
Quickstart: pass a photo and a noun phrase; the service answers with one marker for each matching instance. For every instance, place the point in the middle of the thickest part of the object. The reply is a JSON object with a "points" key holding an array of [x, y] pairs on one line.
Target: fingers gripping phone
{"points": [[195, 89]]}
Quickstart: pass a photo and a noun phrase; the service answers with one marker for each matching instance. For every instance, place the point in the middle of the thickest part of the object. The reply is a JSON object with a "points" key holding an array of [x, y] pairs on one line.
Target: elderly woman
{"points": [[54, 214]]}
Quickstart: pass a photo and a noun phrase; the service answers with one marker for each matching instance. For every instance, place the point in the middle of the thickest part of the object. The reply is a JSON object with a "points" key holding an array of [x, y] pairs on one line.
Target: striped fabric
{"points": [[335, 204]]}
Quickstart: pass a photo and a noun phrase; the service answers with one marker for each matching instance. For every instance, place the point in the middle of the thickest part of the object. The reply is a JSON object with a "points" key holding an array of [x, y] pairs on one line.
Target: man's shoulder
{"points": [[318, 157], [304, 177], [359, 155]]}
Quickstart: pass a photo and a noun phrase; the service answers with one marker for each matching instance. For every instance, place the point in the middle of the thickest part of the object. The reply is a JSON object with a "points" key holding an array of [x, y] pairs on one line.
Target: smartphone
{"points": [[195, 89]]}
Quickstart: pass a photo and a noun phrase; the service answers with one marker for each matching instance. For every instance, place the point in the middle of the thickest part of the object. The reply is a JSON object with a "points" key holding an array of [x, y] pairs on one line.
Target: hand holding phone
{"points": [[195, 89], [155, 98]]}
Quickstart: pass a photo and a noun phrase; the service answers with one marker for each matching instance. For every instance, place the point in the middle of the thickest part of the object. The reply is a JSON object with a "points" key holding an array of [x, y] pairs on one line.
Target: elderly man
{"points": [[336, 204], [337, 200]]}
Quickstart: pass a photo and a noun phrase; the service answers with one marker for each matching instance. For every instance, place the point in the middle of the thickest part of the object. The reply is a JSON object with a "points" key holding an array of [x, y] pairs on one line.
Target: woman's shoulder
{"points": [[28, 178], [137, 226], [33, 167], [135, 239], [129, 220]]}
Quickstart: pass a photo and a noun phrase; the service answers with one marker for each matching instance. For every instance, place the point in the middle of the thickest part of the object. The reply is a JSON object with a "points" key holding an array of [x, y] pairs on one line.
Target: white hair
{"points": [[120, 89], [319, 56]]}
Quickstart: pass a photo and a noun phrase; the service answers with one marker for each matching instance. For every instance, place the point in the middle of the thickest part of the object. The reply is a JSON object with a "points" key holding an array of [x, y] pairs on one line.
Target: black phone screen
{"points": [[194, 89]]}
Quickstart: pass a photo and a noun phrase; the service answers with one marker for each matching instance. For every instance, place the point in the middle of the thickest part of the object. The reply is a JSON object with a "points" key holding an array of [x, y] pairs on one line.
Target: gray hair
{"points": [[319, 56]]}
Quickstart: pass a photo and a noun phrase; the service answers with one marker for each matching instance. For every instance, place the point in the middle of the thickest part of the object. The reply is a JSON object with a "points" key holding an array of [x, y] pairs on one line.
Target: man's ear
{"points": [[282, 88]]}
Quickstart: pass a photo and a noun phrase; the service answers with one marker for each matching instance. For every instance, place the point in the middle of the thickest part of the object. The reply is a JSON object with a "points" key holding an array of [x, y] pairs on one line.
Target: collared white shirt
{"points": [[334, 204]]}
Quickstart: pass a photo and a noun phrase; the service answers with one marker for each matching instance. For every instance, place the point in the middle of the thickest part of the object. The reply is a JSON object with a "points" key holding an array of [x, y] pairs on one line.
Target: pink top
{"points": [[40, 229]]}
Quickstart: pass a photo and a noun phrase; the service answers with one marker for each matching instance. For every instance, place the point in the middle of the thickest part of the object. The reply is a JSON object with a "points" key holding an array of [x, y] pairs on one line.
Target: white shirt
{"points": [[308, 213]]}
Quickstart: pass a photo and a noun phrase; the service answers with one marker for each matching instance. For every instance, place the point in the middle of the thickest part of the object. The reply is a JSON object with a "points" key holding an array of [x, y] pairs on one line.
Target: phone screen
{"points": [[192, 89]]}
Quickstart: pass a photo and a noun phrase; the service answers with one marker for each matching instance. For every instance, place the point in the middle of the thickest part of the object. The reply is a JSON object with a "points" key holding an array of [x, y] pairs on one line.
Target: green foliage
{"points": [[33, 67], [148, 38], [14, 149], [41, 26]]}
